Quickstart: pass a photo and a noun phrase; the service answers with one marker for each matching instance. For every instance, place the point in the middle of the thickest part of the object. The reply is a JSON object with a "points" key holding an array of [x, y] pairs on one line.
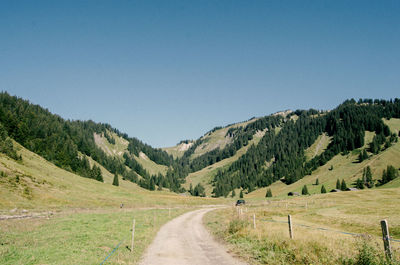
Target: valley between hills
{"points": [[69, 190]]}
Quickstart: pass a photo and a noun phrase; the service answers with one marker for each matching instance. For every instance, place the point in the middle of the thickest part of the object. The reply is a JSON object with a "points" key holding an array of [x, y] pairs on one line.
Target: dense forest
{"points": [[281, 156]]}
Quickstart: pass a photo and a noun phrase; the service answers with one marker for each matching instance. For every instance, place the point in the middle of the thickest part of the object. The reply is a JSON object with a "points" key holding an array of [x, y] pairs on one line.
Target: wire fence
{"points": [[119, 244], [321, 228]]}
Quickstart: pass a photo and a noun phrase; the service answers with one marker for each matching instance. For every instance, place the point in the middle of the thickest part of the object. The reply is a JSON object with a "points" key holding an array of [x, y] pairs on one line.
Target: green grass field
{"points": [[356, 212], [81, 237], [77, 220]]}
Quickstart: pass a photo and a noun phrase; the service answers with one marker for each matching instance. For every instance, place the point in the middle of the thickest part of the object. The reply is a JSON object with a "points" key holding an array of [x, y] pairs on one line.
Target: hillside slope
{"points": [[344, 167], [35, 183], [206, 175]]}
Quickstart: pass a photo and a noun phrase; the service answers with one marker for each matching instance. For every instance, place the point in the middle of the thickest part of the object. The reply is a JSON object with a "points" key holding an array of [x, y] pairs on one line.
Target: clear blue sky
{"points": [[164, 71]]}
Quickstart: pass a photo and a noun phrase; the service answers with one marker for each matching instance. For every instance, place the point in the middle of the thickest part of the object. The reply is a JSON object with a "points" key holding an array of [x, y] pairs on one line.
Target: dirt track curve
{"points": [[184, 240]]}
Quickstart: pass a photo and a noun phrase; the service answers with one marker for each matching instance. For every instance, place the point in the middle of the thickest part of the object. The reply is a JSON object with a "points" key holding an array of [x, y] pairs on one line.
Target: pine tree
{"points": [[269, 193], [241, 194], [359, 184], [323, 190], [96, 173], [343, 186], [191, 189], [338, 184], [115, 181], [152, 186], [316, 182], [233, 194], [368, 178], [304, 191], [362, 156]]}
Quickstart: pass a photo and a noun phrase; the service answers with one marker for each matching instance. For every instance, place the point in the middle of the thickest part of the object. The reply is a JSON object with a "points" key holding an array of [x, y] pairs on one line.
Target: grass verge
{"points": [[81, 238], [269, 243]]}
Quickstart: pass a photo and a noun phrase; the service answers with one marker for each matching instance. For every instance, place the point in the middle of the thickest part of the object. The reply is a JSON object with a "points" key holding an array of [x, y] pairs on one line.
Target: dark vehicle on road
{"points": [[240, 202]]}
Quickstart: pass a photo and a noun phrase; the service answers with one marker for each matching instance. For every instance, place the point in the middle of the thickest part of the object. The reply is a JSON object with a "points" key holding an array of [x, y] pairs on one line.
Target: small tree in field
{"points": [[241, 194], [304, 191], [338, 184], [115, 180], [323, 190], [269, 193], [233, 193], [317, 182], [343, 186]]}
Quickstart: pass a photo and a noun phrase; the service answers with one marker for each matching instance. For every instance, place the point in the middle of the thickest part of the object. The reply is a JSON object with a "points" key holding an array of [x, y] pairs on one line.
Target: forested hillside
{"points": [[282, 153], [63, 142], [282, 156]]}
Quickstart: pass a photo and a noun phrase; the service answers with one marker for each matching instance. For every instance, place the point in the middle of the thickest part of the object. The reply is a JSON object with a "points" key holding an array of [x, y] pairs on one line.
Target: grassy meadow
{"points": [[75, 220], [356, 212], [81, 237]]}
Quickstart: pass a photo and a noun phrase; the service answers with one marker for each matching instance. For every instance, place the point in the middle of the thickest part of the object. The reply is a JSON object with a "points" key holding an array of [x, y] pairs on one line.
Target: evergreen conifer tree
{"points": [[304, 191], [241, 194], [191, 189], [359, 184], [317, 182], [233, 194], [338, 184], [323, 190], [343, 186], [96, 173], [269, 193], [115, 181], [152, 185]]}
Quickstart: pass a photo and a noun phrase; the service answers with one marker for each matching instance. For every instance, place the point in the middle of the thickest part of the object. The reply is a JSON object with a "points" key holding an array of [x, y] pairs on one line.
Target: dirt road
{"points": [[185, 240]]}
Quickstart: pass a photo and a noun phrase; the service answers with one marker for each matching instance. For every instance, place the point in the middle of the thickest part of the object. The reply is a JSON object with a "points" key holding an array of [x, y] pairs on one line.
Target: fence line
{"points": [[321, 228], [109, 255]]}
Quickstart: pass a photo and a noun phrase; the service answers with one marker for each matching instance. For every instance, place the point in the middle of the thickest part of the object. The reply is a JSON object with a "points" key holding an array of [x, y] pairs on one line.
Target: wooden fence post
{"points": [[386, 237], [133, 234], [254, 220], [290, 226]]}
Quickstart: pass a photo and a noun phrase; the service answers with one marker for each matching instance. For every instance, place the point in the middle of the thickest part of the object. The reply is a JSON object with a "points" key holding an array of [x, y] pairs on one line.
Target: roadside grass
{"points": [[356, 212], [205, 175], [81, 238]]}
